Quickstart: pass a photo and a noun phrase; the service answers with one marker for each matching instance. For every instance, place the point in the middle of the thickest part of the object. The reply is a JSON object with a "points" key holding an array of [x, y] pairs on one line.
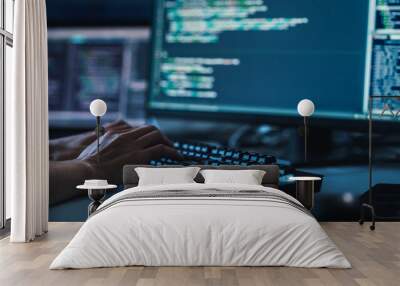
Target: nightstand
{"points": [[96, 192], [305, 187]]}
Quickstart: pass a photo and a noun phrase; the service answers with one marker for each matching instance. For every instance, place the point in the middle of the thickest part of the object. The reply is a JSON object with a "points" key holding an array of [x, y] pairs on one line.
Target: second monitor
{"points": [[85, 64]]}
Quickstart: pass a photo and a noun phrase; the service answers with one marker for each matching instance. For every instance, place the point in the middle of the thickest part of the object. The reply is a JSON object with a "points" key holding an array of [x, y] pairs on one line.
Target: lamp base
{"points": [[96, 196], [362, 216]]}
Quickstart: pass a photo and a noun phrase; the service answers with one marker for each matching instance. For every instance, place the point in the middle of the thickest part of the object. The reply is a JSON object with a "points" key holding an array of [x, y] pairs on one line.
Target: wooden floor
{"points": [[375, 257]]}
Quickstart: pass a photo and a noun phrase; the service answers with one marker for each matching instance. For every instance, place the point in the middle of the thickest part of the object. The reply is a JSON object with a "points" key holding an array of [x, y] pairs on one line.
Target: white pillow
{"points": [[166, 176], [246, 177]]}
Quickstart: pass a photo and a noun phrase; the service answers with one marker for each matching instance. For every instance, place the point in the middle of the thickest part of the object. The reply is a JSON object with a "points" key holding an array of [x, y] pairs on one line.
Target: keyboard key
{"points": [[262, 160], [214, 158], [236, 155], [254, 157], [246, 157]]}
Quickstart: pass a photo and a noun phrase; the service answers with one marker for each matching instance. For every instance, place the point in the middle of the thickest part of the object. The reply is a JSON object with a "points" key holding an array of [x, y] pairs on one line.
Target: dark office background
{"points": [[94, 13], [345, 175]]}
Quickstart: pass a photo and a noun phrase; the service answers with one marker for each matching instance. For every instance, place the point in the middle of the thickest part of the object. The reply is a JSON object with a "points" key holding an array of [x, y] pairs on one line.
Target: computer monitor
{"points": [[258, 59], [85, 64]]}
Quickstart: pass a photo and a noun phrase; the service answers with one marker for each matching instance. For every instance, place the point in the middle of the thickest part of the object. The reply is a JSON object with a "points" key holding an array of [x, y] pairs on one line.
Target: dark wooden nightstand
{"points": [[305, 188]]}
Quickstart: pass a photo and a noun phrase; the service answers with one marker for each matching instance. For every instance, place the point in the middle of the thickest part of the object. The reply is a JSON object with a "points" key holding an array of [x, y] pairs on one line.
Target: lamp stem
{"points": [[305, 139], [370, 149], [98, 139]]}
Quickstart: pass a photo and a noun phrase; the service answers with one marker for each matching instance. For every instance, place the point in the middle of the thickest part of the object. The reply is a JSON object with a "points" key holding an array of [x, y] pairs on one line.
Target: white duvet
{"points": [[200, 232]]}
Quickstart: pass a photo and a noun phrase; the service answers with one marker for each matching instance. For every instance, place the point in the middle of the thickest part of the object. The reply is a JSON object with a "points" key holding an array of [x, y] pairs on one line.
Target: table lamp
{"points": [[305, 108], [98, 108]]}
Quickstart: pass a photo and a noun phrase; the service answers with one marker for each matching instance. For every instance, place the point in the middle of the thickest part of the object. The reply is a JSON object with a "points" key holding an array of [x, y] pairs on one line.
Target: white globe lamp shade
{"points": [[98, 107], [306, 108]]}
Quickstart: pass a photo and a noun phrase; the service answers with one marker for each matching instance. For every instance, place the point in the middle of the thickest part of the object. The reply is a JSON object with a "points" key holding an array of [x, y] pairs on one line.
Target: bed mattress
{"points": [[201, 225]]}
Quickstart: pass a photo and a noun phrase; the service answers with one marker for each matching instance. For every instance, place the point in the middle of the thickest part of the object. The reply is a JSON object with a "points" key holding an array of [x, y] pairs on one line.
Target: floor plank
{"points": [[375, 257]]}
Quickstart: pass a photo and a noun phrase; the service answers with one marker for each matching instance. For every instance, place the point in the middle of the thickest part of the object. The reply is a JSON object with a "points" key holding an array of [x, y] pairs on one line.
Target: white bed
{"points": [[206, 230]]}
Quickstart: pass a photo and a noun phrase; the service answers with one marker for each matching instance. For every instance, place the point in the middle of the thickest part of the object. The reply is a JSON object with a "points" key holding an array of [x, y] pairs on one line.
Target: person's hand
{"points": [[127, 146], [118, 126], [68, 148]]}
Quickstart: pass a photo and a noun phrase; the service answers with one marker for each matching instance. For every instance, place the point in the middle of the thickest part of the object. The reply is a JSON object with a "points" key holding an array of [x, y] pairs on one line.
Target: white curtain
{"points": [[27, 157]]}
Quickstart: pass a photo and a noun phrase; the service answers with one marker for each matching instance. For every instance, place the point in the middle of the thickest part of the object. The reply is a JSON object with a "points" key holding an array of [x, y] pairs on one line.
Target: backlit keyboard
{"points": [[197, 153]]}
